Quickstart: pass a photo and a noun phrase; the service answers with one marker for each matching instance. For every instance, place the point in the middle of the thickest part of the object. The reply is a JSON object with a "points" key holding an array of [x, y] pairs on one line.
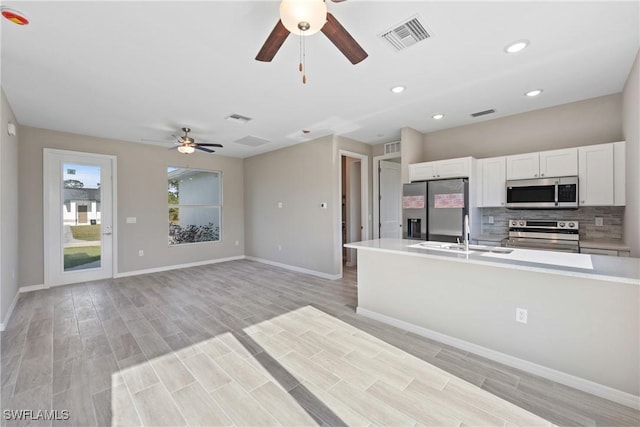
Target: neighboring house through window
{"points": [[195, 205]]}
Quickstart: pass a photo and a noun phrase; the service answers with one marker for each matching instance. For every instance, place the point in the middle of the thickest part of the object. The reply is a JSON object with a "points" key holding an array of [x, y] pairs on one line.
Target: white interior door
{"points": [[390, 200], [79, 217]]}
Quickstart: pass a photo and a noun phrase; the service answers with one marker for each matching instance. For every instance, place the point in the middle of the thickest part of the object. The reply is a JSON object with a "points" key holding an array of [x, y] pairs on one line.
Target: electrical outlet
{"points": [[280, 247], [280, 205], [140, 252], [237, 242], [521, 315], [599, 221], [490, 220]]}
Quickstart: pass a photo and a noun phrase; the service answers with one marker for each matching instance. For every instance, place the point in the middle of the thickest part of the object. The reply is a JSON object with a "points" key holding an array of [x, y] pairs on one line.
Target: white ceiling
{"points": [[141, 70]]}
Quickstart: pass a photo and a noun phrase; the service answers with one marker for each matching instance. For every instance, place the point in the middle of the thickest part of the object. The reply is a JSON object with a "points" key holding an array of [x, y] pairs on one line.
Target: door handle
{"points": [[107, 234]]}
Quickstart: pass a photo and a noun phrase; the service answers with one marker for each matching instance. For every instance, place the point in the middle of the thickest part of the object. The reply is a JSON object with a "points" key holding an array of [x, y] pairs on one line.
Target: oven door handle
{"points": [[556, 193]]}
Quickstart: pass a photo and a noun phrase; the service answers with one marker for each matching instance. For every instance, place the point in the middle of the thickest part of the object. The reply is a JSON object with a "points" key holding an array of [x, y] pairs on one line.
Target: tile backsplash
{"points": [[611, 230]]}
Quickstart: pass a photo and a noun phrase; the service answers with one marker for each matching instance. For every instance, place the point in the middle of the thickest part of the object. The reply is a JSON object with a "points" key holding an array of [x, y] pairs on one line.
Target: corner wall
{"points": [[631, 130], [141, 193], [8, 210], [301, 234]]}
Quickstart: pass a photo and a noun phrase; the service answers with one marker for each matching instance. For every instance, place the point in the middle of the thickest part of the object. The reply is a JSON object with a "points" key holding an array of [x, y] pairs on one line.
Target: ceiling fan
{"points": [[187, 145], [306, 17]]}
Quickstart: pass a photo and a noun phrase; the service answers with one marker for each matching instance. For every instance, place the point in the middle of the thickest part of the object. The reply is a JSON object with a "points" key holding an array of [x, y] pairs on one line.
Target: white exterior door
{"points": [[390, 200], [79, 217]]}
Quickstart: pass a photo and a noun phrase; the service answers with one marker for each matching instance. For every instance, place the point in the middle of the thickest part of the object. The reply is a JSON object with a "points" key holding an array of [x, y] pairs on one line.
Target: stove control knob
{"points": [[561, 224], [571, 224], [514, 223], [521, 223]]}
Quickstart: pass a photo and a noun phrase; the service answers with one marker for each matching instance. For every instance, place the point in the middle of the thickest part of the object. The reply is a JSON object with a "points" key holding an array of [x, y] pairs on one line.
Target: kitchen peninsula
{"points": [[581, 320]]}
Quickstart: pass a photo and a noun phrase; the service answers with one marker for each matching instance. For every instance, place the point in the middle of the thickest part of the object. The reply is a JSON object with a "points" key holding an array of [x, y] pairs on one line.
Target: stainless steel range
{"points": [[543, 235]]}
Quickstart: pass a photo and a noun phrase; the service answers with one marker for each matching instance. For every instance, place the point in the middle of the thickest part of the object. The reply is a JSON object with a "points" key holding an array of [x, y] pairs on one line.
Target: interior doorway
{"points": [[387, 194], [354, 214]]}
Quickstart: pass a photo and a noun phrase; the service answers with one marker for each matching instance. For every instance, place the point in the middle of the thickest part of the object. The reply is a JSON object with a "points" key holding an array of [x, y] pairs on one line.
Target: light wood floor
{"points": [[241, 343]]}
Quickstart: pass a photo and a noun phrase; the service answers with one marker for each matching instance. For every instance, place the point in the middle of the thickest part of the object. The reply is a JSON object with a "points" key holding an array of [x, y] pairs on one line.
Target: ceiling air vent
{"points": [[406, 34], [251, 141], [392, 147], [483, 113], [238, 118]]}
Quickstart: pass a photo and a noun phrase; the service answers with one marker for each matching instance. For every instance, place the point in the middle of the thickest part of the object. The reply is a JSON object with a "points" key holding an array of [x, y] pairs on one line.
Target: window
{"points": [[195, 203]]}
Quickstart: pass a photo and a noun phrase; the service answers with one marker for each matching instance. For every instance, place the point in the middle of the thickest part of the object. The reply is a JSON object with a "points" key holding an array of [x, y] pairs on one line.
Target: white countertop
{"points": [[615, 245], [601, 267]]}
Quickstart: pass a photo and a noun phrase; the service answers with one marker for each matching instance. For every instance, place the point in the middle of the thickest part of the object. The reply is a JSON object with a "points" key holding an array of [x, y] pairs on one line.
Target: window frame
{"points": [[219, 206]]}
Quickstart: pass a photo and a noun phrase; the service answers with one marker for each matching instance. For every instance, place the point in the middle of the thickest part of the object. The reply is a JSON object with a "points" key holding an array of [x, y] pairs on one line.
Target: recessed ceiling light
{"points": [[533, 93], [516, 46], [438, 116], [398, 89]]}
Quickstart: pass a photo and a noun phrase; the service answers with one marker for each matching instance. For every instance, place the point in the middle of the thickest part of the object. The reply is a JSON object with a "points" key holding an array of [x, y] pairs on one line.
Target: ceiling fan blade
{"points": [[340, 37], [209, 145], [273, 43], [197, 147]]}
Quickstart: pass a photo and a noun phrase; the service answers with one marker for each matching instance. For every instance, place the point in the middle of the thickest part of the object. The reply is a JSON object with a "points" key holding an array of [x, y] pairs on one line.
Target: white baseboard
{"points": [[31, 288], [600, 390], [176, 266], [296, 269], [5, 321]]}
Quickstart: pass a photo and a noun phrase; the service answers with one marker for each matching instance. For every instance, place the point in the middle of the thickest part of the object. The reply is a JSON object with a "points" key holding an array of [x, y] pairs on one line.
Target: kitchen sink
{"points": [[459, 247]]}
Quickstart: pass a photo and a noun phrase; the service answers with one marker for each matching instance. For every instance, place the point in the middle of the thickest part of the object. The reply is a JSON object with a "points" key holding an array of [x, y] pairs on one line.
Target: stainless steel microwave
{"points": [[543, 193]]}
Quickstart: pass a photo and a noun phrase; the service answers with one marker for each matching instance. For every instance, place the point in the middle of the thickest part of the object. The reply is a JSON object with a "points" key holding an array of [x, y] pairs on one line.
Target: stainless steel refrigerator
{"points": [[435, 210]]}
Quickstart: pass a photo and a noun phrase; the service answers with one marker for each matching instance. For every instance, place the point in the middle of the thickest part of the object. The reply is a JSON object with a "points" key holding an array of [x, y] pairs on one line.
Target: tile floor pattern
{"points": [[241, 343]]}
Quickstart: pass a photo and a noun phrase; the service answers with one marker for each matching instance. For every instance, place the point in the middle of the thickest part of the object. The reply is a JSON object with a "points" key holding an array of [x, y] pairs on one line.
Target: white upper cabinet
{"points": [[441, 169], [544, 164], [601, 176], [492, 174], [523, 166], [422, 171], [559, 162]]}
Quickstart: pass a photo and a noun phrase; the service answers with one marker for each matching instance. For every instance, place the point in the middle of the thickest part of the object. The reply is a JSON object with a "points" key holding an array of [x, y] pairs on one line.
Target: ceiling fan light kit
{"points": [[186, 149], [303, 17]]}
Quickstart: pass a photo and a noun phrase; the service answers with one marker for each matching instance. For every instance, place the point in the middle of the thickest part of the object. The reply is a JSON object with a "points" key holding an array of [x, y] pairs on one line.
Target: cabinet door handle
{"points": [[535, 175], [541, 174]]}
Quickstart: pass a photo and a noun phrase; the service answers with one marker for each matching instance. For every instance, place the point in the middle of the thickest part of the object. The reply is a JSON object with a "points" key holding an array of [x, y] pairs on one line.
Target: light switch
{"points": [[131, 220], [279, 205]]}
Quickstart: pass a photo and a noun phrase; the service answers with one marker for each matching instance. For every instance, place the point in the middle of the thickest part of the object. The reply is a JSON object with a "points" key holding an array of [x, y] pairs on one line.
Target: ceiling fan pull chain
{"points": [[300, 52], [304, 62]]}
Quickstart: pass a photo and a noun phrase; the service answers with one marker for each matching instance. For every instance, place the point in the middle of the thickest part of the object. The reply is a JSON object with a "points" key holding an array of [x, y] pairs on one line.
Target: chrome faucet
{"points": [[467, 234]]}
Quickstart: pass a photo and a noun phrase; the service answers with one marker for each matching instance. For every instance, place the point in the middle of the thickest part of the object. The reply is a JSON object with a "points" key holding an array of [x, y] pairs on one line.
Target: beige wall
{"points": [[411, 150], [301, 234], [8, 209], [631, 129], [141, 193], [592, 121]]}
